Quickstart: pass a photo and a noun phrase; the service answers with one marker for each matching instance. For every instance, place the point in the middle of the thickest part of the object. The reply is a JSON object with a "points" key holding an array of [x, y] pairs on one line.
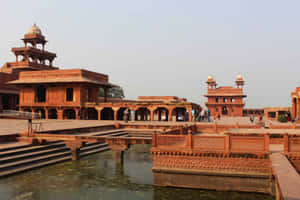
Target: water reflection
{"points": [[98, 177]]}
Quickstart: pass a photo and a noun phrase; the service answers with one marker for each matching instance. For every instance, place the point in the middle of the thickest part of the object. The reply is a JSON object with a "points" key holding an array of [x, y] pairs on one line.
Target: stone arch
{"points": [[180, 113], [69, 114], [120, 113], [92, 114], [41, 112], [142, 114], [161, 114], [52, 114], [107, 113]]}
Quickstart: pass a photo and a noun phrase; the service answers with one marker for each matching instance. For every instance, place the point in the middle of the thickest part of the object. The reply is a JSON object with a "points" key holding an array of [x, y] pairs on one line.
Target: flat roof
{"points": [[62, 76]]}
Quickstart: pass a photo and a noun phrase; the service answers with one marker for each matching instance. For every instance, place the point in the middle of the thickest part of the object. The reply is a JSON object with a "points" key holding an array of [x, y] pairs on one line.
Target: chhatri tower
{"points": [[32, 56]]}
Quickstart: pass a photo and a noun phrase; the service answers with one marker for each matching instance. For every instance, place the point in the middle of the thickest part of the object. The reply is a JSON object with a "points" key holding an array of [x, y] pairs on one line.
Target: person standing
{"points": [[126, 112], [79, 114], [208, 115], [132, 115], [198, 116], [193, 115], [202, 114], [251, 119]]}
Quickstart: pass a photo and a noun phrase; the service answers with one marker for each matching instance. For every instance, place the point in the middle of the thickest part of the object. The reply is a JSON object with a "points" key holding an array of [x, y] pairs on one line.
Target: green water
{"points": [[97, 177]]}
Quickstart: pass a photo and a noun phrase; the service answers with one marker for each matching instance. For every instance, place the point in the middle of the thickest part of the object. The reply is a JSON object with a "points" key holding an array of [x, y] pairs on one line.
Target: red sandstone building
{"points": [[31, 57], [226, 101], [73, 94]]}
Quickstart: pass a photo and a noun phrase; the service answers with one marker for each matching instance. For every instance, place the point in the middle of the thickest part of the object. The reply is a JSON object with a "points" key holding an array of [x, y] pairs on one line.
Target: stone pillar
{"points": [[115, 115], [190, 115], [60, 113], [170, 115], [46, 113], [293, 108], [76, 113], [298, 109], [119, 157], [99, 109], [115, 109], [75, 148], [152, 113], [119, 146]]}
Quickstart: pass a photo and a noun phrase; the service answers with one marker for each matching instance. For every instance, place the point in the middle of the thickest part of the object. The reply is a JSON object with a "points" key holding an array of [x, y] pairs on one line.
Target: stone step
{"points": [[32, 154], [33, 160], [28, 149], [105, 132], [13, 145], [93, 151], [34, 166], [92, 147], [119, 134], [49, 160]]}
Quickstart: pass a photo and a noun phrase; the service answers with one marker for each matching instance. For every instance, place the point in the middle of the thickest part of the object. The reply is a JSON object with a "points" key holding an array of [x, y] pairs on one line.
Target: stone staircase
{"points": [[18, 157]]}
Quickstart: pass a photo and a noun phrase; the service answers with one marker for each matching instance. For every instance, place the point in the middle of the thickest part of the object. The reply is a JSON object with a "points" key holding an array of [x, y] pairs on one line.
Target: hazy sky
{"points": [[169, 47]]}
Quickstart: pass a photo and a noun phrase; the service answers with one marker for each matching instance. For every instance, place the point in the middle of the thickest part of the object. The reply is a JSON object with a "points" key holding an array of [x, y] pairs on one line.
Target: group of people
{"points": [[289, 117], [203, 115], [128, 114], [260, 118]]}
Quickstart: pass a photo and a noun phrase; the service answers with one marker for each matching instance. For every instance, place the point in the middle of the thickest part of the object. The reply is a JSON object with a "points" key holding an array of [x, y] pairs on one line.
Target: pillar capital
{"points": [[115, 108], [99, 109]]}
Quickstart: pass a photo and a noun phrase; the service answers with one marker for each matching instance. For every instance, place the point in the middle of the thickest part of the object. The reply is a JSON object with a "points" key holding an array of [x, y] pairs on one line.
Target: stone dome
{"points": [[35, 30], [239, 77], [210, 78]]}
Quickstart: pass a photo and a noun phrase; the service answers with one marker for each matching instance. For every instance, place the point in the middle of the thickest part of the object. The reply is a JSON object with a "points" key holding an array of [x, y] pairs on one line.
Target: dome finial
{"points": [[239, 77], [35, 29]]}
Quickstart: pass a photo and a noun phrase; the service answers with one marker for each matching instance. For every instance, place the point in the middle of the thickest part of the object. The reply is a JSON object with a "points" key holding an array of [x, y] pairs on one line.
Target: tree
{"points": [[114, 92]]}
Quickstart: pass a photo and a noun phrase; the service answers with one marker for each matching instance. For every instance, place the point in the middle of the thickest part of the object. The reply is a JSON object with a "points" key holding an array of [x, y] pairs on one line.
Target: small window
{"points": [[224, 100], [40, 94], [271, 114], [217, 99], [232, 99], [69, 94]]}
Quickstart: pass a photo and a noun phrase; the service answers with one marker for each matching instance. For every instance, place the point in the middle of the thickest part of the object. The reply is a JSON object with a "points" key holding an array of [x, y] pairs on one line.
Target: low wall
{"points": [[212, 180], [237, 163], [292, 150], [223, 143]]}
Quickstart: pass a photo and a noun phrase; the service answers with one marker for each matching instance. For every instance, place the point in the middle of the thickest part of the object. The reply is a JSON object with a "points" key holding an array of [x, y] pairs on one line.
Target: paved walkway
{"points": [[287, 176], [12, 126]]}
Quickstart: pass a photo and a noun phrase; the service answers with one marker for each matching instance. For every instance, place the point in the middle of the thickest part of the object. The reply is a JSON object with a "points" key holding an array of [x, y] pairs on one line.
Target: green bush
{"points": [[282, 118]]}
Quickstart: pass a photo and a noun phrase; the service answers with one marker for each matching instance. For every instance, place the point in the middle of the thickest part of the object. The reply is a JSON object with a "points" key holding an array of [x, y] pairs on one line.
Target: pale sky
{"points": [[169, 47]]}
